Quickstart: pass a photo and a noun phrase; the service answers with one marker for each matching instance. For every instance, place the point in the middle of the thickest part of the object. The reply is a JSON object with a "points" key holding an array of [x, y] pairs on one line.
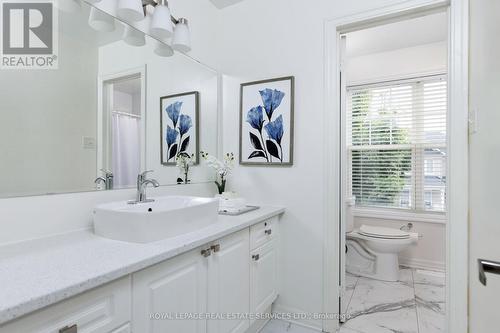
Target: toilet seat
{"points": [[382, 232]]}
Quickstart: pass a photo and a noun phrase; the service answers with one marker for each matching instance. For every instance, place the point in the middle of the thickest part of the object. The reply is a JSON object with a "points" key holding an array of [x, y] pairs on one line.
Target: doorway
{"points": [[457, 157], [121, 123], [393, 175]]}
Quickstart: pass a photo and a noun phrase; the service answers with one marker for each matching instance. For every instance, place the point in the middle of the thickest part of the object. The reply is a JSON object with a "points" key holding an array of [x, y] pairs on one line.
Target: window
{"points": [[396, 140]]}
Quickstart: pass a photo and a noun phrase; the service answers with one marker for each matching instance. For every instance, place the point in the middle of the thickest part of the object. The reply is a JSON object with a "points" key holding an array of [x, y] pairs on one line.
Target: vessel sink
{"points": [[163, 218]]}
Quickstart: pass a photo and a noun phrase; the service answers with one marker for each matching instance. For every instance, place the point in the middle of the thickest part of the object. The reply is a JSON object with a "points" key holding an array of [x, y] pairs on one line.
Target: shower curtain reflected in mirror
{"points": [[126, 148]]}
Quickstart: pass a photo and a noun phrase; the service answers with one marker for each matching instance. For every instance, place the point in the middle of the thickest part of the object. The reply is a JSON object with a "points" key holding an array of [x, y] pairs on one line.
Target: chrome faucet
{"points": [[142, 184], [107, 180]]}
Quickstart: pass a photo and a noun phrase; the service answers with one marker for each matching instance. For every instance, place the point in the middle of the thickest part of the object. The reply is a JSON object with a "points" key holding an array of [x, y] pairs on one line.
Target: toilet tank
{"points": [[349, 217]]}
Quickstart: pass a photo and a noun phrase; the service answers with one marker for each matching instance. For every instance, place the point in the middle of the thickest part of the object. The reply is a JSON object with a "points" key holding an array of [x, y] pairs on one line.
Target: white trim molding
{"points": [[457, 253], [399, 215], [430, 265], [457, 236]]}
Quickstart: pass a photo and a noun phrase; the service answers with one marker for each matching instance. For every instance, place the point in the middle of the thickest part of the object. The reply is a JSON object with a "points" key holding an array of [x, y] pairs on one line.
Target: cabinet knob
{"points": [[268, 232], [206, 252], [256, 257], [69, 329], [215, 248]]}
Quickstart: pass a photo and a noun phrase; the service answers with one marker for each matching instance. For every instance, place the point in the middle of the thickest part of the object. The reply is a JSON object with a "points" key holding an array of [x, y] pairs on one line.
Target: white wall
{"points": [[125, 102], [44, 115], [412, 61], [265, 39], [430, 251]]}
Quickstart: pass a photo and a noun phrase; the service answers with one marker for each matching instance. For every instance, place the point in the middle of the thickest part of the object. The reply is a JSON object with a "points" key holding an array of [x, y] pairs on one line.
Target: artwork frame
{"points": [[176, 119], [251, 122]]}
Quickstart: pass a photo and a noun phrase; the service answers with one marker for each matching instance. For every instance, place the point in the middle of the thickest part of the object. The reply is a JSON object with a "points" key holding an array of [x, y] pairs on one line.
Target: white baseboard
{"points": [[423, 264], [307, 323]]}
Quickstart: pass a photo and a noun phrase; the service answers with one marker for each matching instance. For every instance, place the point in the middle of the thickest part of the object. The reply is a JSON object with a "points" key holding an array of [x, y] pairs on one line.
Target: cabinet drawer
{"points": [[262, 233], [101, 310]]}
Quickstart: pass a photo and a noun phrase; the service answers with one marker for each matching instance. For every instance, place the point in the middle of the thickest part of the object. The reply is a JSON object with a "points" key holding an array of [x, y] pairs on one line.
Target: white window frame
{"points": [[416, 212]]}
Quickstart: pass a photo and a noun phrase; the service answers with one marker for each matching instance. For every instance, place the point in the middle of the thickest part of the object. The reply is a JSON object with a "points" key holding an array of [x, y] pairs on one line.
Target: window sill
{"points": [[400, 215]]}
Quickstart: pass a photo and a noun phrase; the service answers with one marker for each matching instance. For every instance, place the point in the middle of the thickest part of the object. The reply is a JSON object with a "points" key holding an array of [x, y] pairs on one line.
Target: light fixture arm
{"points": [[155, 3]]}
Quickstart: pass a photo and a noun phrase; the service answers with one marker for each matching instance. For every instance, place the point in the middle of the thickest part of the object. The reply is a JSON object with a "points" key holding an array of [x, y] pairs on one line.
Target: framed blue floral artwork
{"points": [[266, 122], [179, 127]]}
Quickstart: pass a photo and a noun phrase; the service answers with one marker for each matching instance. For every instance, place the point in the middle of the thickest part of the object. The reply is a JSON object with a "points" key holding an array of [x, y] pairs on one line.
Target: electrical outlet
{"points": [[88, 142]]}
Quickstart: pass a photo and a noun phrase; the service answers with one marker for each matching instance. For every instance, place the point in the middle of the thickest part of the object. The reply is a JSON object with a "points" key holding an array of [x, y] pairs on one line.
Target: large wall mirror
{"points": [[61, 129]]}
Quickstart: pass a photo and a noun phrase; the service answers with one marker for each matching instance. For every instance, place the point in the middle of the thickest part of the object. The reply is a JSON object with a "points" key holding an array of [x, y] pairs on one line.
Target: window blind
{"points": [[396, 140]]}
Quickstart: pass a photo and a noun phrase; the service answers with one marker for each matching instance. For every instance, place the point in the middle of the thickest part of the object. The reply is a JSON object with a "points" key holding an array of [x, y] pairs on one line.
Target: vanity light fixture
{"points": [[100, 21], [69, 6], [130, 10], [182, 37], [161, 23], [163, 49], [134, 37]]}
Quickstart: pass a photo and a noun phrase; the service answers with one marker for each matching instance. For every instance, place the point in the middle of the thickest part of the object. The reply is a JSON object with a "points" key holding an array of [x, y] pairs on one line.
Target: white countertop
{"points": [[38, 273]]}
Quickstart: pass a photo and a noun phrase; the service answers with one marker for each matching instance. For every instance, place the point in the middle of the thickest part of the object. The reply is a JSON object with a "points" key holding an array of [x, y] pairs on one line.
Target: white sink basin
{"points": [[164, 218]]}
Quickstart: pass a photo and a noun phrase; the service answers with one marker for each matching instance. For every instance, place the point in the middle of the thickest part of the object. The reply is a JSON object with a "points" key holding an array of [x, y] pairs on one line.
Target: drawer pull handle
{"points": [[256, 257], [215, 248], [69, 329], [268, 232], [487, 266], [206, 252]]}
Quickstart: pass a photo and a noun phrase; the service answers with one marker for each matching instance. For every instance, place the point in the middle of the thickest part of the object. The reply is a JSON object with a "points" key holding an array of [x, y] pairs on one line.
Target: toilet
{"points": [[372, 251]]}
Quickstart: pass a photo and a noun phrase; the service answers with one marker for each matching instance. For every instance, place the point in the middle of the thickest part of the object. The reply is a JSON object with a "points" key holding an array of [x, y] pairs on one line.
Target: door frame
{"points": [[458, 122], [103, 118]]}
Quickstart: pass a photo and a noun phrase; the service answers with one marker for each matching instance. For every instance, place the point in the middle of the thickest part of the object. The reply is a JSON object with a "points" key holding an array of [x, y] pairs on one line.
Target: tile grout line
{"points": [[352, 294], [415, 299]]}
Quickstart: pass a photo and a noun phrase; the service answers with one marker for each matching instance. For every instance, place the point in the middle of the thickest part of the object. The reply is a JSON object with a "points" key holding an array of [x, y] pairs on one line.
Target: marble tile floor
{"points": [[416, 304]]}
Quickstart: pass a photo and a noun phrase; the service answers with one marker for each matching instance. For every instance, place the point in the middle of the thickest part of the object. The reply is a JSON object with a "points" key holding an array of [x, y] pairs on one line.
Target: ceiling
{"points": [[224, 3], [408, 33]]}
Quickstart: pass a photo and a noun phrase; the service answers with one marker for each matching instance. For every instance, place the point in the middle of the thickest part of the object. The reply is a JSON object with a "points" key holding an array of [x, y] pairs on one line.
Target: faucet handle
{"points": [[143, 174], [107, 172]]}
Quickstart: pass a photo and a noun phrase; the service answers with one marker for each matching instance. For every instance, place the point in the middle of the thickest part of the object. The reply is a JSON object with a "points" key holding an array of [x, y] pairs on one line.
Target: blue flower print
{"points": [[275, 129], [255, 118], [185, 124], [173, 111], [272, 100], [171, 136]]}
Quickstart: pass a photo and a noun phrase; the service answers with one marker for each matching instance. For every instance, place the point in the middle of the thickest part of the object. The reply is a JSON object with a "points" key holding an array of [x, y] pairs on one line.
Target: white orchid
{"points": [[222, 168]]}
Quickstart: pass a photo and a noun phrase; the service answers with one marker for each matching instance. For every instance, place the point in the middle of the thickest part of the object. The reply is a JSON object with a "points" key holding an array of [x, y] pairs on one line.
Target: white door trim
{"points": [[457, 230]]}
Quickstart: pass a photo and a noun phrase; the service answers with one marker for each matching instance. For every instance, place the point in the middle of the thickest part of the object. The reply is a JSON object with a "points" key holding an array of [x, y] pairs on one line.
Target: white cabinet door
{"points": [[177, 286], [263, 277], [229, 291], [100, 310]]}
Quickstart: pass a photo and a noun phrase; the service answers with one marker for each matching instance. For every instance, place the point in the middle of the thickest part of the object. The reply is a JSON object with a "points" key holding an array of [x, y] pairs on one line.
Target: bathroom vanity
{"points": [[80, 282], [73, 150]]}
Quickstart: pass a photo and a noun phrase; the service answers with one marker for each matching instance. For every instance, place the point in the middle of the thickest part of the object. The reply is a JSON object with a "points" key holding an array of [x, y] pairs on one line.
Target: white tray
{"points": [[239, 212]]}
